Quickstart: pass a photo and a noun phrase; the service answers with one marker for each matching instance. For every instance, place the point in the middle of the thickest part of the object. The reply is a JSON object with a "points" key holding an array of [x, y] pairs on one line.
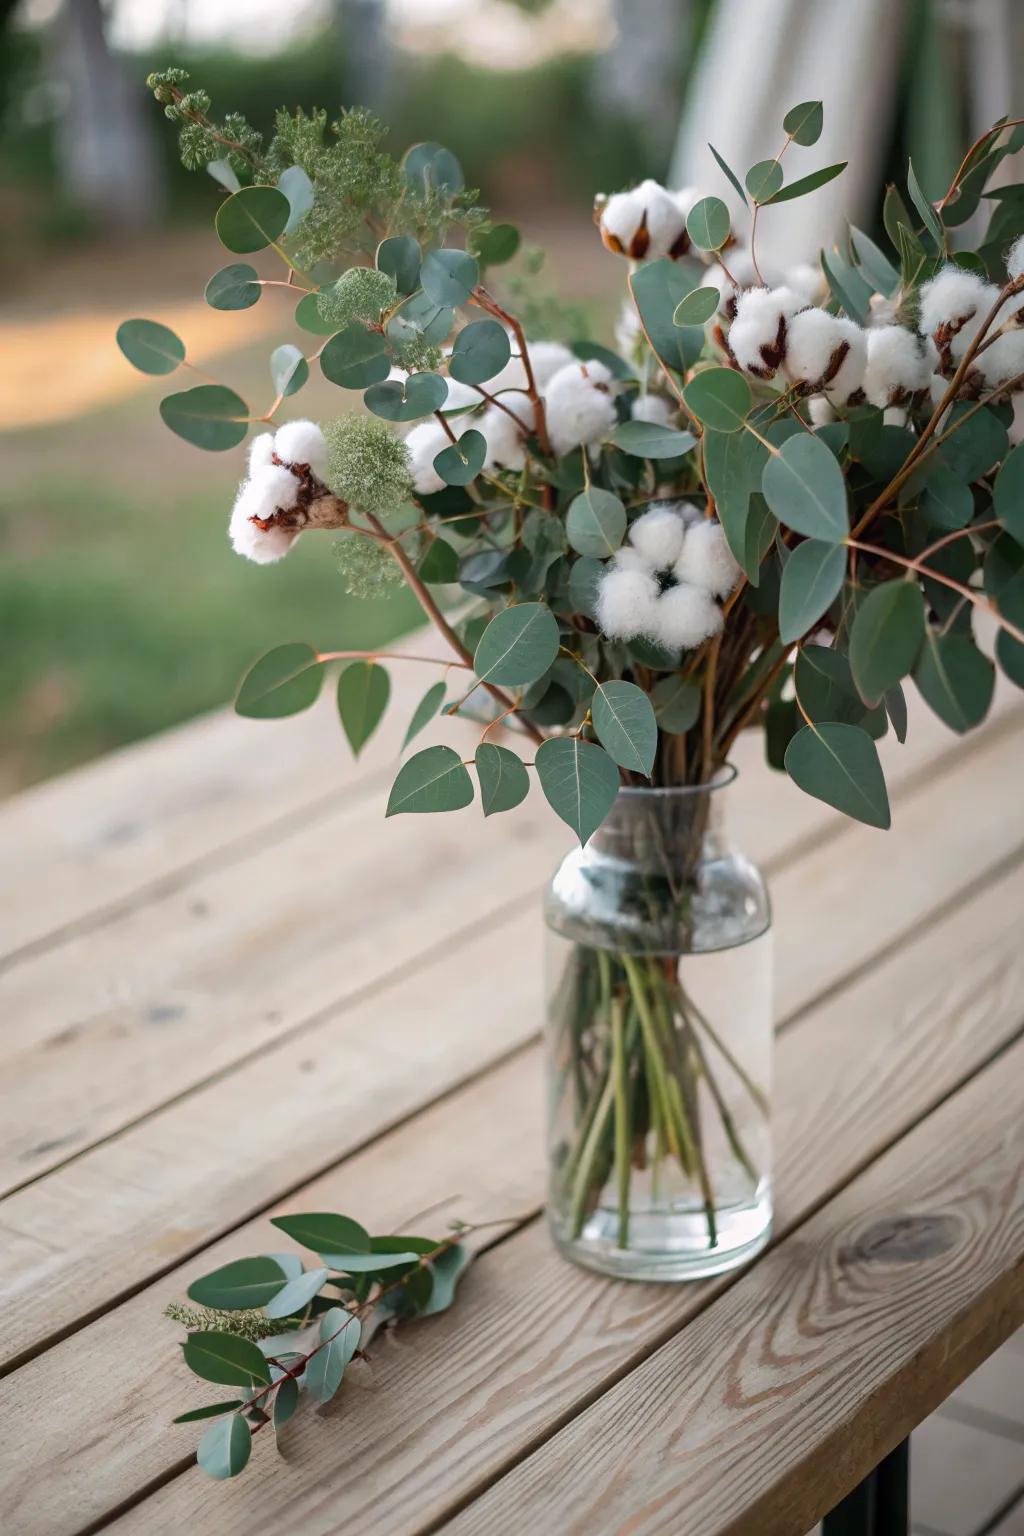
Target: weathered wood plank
{"points": [[776, 1401], [532, 1338], [115, 1022], [71, 1249]]}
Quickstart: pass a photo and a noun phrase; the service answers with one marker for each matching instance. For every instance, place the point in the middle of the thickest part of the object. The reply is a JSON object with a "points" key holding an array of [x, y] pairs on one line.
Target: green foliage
{"points": [[150, 347], [839, 764], [244, 1283], [596, 523], [367, 466], [811, 581], [805, 489], [363, 692], [208, 416], [283, 682], [580, 782], [366, 567], [625, 724], [504, 782], [359, 294], [435, 779], [518, 646], [719, 398], [886, 636]]}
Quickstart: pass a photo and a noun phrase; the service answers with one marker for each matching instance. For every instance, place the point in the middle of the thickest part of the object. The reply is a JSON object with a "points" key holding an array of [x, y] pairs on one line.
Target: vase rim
{"points": [[721, 779]]}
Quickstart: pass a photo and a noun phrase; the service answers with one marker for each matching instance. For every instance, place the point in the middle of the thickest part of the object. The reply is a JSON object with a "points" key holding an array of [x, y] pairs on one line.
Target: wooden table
{"points": [[230, 987]]}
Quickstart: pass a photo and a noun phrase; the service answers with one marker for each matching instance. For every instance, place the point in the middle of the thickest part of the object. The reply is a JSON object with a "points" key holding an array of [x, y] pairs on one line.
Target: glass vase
{"points": [[659, 1042]]}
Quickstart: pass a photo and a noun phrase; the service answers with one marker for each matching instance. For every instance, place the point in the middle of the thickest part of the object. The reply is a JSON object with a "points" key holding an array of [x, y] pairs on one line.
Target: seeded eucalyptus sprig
{"points": [[279, 1332]]}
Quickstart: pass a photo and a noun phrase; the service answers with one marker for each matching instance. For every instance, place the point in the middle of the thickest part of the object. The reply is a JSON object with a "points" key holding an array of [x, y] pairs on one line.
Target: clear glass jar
{"points": [[659, 1042]]}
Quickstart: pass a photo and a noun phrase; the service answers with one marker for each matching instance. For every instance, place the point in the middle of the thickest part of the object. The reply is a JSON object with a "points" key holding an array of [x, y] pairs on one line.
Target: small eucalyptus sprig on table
{"points": [[280, 1332]]}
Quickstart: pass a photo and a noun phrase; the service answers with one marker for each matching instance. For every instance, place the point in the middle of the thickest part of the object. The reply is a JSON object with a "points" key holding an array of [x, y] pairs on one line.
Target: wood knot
{"points": [[903, 1240]]}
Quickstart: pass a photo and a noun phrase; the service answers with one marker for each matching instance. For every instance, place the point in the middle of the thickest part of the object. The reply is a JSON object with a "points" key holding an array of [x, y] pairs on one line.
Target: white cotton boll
{"points": [[261, 452], [506, 437], [1003, 360], [423, 445], [626, 603], [685, 616], [805, 280], [512, 376], [579, 407], [653, 408], [302, 442], [271, 489], [813, 342], [849, 378], [896, 365], [894, 416], [1015, 259], [688, 511], [707, 561], [658, 536], [685, 199], [758, 338], [629, 335], [644, 222], [262, 547], [953, 296], [458, 396], [821, 410], [628, 559], [546, 358]]}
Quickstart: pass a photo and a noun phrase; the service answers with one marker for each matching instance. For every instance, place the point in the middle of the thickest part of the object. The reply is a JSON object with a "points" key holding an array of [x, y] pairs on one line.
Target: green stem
{"points": [[620, 1072], [728, 1124]]}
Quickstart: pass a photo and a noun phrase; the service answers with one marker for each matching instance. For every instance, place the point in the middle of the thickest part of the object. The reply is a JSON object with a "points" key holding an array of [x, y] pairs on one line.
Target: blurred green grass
{"points": [[123, 609]]}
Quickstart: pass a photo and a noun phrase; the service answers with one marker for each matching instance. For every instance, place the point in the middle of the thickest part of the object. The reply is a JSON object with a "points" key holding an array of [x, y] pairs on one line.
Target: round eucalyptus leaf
{"points": [[430, 167], [720, 398], [418, 317], [421, 394], [225, 1448], [764, 179], [435, 779], [289, 369], [518, 645], [234, 287], [697, 307], [309, 318], [283, 682], [481, 350], [149, 346], [707, 224], [448, 277], [584, 575], [252, 218], [209, 416], [579, 780], [399, 257], [596, 522], [498, 245], [355, 358], [648, 440], [504, 781], [946, 500], [804, 123], [461, 462]]}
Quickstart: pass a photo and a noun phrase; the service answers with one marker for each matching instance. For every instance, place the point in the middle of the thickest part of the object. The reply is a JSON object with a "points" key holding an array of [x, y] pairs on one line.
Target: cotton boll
{"points": [[644, 222], [506, 434], [628, 559], [270, 490], [806, 281], [259, 545], [302, 442], [658, 536], [707, 561], [821, 410], [629, 336], [896, 365], [1003, 360], [423, 445], [685, 199], [952, 297], [626, 603], [261, 452], [759, 335], [546, 359], [1015, 259], [685, 616], [458, 397], [579, 406], [688, 511], [653, 408], [824, 352]]}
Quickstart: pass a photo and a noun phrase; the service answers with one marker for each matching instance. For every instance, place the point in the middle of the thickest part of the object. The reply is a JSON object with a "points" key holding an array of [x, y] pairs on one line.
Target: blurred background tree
{"points": [[121, 606]]}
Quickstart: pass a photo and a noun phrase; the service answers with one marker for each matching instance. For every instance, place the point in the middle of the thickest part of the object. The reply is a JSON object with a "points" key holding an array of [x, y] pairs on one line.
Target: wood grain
{"points": [[94, 1229], [776, 1401], [113, 1023], [446, 1407]]}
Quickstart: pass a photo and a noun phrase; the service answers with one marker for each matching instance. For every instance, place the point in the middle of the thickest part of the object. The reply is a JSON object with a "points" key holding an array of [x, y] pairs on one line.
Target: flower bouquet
{"points": [[778, 498]]}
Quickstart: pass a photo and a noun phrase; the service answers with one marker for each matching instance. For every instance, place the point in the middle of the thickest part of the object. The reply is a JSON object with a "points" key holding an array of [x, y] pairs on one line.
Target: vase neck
{"points": [[651, 827]]}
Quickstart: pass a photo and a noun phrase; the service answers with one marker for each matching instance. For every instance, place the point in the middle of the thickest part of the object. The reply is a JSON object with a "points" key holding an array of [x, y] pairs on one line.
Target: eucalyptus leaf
{"points": [[730, 175], [339, 1340], [804, 123], [426, 710], [518, 645], [446, 1271], [461, 462], [806, 184], [325, 1232], [223, 173], [151, 347], [707, 224], [657, 288], [252, 218], [676, 703], [399, 256], [1008, 494], [289, 369], [286, 1400], [435, 779], [932, 222], [764, 179], [440, 564], [209, 416], [812, 579], [298, 189], [363, 692], [297, 1294], [579, 780], [805, 489], [283, 682], [595, 524], [234, 287], [839, 764], [482, 349], [421, 394], [355, 358], [224, 1358], [432, 168], [946, 500], [720, 398], [955, 679], [647, 440], [504, 781], [211, 1411], [448, 277], [225, 1448], [240, 1284], [584, 575], [626, 726], [886, 636], [495, 246]]}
